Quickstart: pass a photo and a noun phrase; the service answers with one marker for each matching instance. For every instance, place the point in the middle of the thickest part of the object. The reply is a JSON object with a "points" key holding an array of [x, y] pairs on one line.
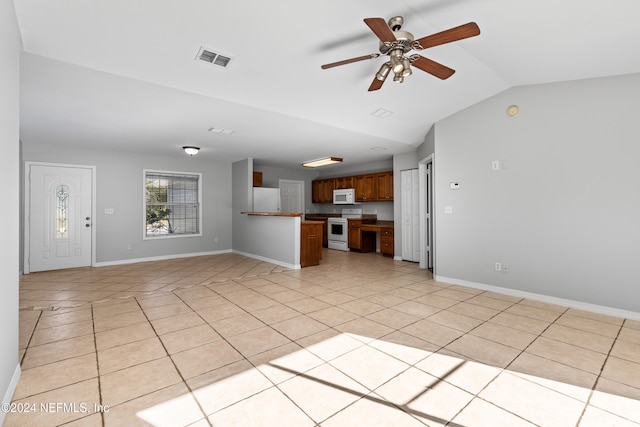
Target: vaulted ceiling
{"points": [[122, 74]]}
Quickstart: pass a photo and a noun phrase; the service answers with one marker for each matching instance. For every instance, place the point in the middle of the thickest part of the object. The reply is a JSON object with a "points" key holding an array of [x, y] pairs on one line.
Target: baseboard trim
{"points": [[159, 258], [601, 309], [11, 389], [270, 260]]}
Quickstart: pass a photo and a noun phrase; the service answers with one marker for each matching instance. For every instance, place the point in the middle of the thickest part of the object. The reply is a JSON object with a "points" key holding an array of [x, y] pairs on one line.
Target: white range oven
{"points": [[338, 229]]}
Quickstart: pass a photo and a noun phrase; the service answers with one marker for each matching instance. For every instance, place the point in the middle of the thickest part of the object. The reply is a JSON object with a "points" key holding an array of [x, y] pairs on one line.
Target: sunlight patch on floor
{"points": [[350, 378]]}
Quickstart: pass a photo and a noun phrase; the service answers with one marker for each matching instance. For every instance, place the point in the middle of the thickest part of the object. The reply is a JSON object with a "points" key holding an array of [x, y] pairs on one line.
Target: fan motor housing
{"points": [[404, 39]]}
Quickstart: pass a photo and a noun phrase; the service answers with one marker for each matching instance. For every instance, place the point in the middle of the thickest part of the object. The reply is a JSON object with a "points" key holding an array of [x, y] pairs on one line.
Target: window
{"points": [[62, 206], [172, 204]]}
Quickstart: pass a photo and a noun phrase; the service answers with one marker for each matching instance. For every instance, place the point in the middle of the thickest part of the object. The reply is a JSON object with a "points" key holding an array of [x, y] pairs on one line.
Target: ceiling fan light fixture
{"points": [[396, 62], [191, 150], [383, 72], [407, 67], [322, 162]]}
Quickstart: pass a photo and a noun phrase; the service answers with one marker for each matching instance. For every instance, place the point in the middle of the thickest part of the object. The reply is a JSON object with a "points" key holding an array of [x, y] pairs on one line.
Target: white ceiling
{"points": [[121, 74]]}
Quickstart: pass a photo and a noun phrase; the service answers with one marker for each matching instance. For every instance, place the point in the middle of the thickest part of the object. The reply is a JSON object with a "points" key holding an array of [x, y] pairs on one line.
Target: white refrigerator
{"points": [[266, 199]]}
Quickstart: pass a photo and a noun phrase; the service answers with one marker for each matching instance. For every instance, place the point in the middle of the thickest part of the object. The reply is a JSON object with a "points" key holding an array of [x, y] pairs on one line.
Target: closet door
{"points": [[410, 216]]}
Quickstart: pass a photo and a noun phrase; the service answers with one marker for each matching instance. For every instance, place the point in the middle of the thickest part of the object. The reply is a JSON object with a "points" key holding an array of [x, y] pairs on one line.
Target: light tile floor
{"points": [[360, 340]]}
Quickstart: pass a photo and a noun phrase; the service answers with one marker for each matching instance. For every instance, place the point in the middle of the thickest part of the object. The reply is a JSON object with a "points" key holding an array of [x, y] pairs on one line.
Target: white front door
{"points": [[59, 217], [292, 195]]}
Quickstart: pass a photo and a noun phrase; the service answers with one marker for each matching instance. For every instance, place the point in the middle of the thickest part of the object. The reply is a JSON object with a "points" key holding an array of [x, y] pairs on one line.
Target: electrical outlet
{"points": [[129, 246], [498, 266]]}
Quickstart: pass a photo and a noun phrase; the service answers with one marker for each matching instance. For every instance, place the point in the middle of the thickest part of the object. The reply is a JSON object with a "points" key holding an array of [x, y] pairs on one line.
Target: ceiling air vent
{"points": [[207, 55]]}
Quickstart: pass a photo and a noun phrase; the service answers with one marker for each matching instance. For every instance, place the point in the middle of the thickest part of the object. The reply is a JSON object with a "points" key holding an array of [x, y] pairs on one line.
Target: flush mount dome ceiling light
{"points": [[322, 162], [191, 150]]}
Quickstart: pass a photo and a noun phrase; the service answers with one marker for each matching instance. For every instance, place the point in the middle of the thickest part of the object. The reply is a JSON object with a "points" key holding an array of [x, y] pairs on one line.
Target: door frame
{"points": [[26, 268], [422, 201]]}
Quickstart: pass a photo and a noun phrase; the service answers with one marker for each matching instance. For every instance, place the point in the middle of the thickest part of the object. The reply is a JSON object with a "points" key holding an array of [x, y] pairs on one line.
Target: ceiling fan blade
{"points": [[381, 29], [432, 67], [349, 61], [465, 31], [376, 83]]}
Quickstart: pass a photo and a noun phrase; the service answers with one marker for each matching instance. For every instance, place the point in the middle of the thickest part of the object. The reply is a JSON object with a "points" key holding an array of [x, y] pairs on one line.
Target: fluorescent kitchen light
{"points": [[322, 162]]}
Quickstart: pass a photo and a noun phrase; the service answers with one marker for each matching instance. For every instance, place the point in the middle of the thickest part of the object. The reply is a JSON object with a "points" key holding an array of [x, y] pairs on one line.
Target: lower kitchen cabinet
{"points": [[386, 241], [310, 243], [359, 241]]}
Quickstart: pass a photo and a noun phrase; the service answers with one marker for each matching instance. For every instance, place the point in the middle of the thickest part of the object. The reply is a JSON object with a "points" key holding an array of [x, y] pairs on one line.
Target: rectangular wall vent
{"points": [[207, 55]]}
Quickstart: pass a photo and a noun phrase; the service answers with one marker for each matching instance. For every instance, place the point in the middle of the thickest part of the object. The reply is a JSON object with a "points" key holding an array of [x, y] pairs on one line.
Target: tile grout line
{"points": [[95, 346], [26, 349], [184, 381], [595, 383]]}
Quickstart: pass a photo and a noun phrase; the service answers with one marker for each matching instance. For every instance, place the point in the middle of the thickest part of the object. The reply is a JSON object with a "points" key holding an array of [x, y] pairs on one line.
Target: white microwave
{"points": [[344, 196]]}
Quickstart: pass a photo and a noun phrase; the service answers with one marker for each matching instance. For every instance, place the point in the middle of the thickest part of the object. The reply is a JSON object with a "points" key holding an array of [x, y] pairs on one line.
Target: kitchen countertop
{"points": [[320, 216], [289, 214], [376, 226], [324, 216]]}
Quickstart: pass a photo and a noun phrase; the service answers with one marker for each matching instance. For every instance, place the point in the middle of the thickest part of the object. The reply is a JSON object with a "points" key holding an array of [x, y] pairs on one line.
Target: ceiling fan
{"points": [[396, 44]]}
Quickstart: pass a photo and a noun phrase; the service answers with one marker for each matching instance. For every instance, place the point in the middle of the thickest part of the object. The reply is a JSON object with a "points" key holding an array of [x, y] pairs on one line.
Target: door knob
{"points": [[87, 218], [87, 225]]}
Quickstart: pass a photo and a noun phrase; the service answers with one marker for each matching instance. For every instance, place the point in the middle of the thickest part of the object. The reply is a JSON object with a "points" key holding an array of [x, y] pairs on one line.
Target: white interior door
{"points": [[410, 214], [292, 195], [59, 217]]}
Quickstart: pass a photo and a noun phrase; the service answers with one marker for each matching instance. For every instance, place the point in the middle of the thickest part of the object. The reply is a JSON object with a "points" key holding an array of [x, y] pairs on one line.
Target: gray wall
{"points": [[428, 146], [10, 46], [119, 177], [563, 211]]}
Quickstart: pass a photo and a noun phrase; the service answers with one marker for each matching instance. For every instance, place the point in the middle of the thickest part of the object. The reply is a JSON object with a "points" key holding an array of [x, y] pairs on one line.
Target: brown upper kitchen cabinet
{"points": [[257, 179], [371, 187], [385, 185], [316, 191], [328, 187], [366, 188], [322, 190], [344, 182]]}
